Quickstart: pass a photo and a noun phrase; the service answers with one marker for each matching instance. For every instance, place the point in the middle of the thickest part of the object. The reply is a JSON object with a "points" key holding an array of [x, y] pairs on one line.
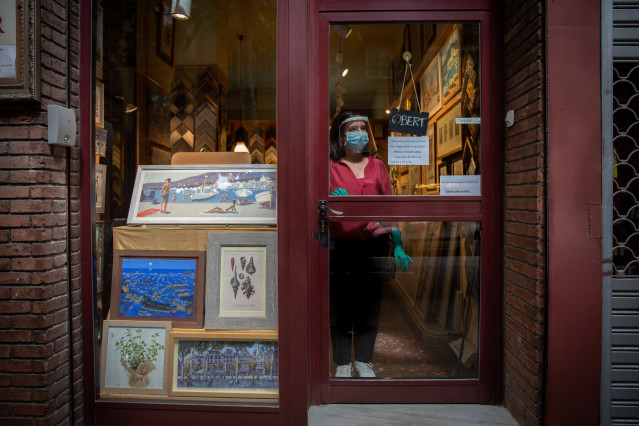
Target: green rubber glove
{"points": [[401, 258], [339, 191]]}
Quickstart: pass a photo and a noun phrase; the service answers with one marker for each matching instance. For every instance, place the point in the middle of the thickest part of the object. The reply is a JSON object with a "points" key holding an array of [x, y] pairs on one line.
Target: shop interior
{"points": [[196, 98]]}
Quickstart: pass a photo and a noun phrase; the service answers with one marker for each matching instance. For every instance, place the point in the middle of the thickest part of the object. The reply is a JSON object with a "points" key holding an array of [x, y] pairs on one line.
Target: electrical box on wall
{"points": [[62, 125]]}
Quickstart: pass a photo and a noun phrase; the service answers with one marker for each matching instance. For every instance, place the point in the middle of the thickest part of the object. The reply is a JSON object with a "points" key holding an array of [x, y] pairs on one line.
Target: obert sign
{"points": [[407, 150], [411, 122]]}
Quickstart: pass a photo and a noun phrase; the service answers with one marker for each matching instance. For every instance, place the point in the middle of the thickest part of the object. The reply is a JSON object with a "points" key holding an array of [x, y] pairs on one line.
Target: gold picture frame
{"points": [[224, 364]]}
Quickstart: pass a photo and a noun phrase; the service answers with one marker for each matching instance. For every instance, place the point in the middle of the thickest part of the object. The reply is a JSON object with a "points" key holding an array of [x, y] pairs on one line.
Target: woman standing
{"points": [[359, 250]]}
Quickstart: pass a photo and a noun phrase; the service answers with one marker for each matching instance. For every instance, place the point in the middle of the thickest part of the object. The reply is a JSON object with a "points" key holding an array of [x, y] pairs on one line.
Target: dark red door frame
{"points": [[574, 213], [486, 208]]}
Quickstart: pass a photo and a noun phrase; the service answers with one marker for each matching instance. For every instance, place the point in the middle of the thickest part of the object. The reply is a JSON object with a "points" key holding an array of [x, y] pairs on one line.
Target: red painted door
{"points": [[429, 331]]}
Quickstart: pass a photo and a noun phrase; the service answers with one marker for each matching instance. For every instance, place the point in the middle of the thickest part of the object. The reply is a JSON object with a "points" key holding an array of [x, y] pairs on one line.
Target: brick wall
{"points": [[40, 324], [525, 227]]}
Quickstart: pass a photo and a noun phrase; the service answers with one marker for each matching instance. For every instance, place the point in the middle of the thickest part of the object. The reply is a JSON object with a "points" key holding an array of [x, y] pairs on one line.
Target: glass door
{"points": [[404, 285]]}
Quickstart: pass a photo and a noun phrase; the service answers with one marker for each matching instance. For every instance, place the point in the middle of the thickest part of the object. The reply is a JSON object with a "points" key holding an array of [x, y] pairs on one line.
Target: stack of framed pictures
{"points": [[190, 323]]}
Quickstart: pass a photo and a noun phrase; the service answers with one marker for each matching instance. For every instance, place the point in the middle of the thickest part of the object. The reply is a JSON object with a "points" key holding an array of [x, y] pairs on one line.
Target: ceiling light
{"points": [[240, 147], [181, 9], [343, 30]]}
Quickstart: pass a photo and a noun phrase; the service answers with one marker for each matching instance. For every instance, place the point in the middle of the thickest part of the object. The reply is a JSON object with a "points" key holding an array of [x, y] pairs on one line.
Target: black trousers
{"points": [[357, 273]]}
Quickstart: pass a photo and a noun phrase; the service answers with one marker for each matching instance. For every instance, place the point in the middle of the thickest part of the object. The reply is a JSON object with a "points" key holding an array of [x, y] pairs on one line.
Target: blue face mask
{"points": [[356, 141]]}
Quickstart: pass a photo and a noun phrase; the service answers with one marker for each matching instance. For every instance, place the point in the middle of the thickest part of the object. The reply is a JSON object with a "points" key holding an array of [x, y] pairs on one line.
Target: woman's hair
{"points": [[337, 130]]}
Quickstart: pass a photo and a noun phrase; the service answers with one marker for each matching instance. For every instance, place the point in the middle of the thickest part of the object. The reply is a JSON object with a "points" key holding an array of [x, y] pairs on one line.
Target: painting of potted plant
{"points": [[134, 357], [137, 355]]}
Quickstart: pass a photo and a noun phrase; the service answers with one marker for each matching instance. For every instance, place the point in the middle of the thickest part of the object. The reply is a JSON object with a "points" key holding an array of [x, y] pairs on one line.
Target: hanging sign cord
{"points": [[407, 57]]}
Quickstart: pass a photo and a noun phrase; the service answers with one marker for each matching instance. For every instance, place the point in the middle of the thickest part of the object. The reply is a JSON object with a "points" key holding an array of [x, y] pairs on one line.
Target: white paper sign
{"points": [[408, 150], [7, 62], [468, 120], [467, 185]]}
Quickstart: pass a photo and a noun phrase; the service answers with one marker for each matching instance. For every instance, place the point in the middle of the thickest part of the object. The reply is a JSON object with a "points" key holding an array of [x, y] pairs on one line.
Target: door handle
{"points": [[322, 234]]}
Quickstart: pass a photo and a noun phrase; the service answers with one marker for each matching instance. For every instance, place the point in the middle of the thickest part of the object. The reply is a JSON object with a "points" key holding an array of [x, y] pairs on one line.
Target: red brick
{"points": [[30, 235], [29, 380], [30, 206], [14, 307], [16, 366], [32, 264], [11, 250]]}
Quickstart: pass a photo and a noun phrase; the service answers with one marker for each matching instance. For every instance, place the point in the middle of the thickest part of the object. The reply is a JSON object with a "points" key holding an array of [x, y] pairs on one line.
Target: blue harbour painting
{"points": [[227, 366], [158, 285], [157, 288]]}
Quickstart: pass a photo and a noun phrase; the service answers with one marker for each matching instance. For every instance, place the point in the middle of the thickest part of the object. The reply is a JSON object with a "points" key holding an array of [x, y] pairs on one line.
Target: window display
{"points": [[185, 251]]}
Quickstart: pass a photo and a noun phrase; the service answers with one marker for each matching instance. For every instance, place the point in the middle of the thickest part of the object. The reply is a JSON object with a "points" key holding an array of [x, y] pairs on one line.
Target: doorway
{"points": [[431, 323]]}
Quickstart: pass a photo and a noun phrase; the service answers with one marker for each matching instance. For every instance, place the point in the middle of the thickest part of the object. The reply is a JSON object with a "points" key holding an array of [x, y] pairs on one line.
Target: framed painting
{"points": [[99, 42], [100, 141], [224, 364], [134, 358], [158, 285], [449, 134], [165, 32], [431, 88], [205, 194], [20, 50], [100, 187], [241, 281], [99, 104], [450, 64], [158, 108]]}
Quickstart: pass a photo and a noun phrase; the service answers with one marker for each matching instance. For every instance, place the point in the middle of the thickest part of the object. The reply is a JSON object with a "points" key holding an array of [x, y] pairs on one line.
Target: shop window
{"points": [[185, 245]]}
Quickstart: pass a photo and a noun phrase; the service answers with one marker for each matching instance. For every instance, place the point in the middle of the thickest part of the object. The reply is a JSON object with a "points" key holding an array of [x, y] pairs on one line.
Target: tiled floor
{"points": [[409, 414]]}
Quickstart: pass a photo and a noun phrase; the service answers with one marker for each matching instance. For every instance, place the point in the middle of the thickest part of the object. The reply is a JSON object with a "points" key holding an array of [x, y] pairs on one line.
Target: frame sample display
{"points": [[158, 285], [241, 281], [209, 194], [134, 357], [224, 364]]}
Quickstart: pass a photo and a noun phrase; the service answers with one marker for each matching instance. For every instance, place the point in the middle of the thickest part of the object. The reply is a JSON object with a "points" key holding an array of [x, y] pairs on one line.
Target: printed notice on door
{"points": [[468, 185], [408, 151]]}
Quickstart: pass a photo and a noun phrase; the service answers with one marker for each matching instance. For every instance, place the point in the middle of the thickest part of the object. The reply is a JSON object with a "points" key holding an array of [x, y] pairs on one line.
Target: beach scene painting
{"points": [[158, 286], [229, 194], [219, 366]]}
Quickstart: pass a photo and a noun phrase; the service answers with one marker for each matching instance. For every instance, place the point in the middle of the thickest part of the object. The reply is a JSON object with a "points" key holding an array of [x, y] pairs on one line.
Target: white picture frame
{"points": [[205, 194]]}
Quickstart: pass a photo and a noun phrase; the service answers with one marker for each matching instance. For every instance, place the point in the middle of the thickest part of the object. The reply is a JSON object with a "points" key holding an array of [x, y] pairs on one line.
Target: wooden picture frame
{"points": [[20, 51], [241, 281], [450, 63], [165, 32], [431, 88], [158, 285], [205, 194], [147, 344], [236, 364], [449, 133]]}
